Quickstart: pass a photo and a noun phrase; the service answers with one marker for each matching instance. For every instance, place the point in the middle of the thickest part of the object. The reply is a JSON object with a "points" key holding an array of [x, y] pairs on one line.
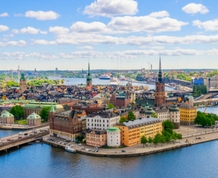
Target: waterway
{"points": [[40, 160], [97, 81]]}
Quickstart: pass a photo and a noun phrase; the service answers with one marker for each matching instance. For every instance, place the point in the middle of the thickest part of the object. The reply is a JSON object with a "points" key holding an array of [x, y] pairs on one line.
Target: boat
{"points": [[105, 77], [114, 81], [70, 149], [122, 78]]}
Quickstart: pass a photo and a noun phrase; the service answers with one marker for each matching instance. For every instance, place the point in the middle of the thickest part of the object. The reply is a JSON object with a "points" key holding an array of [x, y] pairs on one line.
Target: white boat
{"points": [[122, 78], [70, 149], [114, 81], [105, 77]]}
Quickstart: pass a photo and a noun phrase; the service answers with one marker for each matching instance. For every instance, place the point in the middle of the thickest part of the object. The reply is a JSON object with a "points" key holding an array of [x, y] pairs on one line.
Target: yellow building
{"points": [[96, 138], [188, 114], [132, 131]]}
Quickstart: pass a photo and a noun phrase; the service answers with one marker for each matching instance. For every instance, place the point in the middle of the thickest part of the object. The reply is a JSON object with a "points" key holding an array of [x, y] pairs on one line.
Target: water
{"points": [[4, 133], [43, 161], [97, 81]]}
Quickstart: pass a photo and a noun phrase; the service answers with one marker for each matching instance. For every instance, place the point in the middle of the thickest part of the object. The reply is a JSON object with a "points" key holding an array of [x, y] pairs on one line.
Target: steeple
{"points": [[88, 68], [160, 72]]}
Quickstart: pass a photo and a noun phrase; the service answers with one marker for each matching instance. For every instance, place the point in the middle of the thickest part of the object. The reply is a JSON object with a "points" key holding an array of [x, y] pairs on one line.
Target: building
{"points": [[34, 120], [188, 114], [102, 120], [175, 116], [89, 80], [96, 138], [65, 124], [132, 131], [113, 137], [22, 83], [160, 94], [121, 100], [36, 107], [6, 118]]}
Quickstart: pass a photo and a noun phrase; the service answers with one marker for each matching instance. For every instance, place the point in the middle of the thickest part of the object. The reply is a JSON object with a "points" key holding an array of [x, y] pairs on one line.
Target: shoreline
{"points": [[139, 150]]}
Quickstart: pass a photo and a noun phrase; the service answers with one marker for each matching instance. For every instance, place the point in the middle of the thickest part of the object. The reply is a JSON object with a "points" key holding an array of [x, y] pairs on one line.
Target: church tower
{"points": [[89, 80], [160, 94], [22, 83]]}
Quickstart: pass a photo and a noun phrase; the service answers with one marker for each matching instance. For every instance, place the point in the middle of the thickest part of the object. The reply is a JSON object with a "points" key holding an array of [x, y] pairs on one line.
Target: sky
{"points": [[110, 34]]}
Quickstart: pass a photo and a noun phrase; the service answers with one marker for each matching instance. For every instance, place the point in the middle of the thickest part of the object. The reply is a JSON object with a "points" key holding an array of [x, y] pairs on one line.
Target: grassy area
{"points": [[22, 122]]}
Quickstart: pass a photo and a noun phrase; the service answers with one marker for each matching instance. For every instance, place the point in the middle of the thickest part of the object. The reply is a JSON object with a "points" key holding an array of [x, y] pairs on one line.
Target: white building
{"points": [[113, 137], [102, 120], [175, 116]]}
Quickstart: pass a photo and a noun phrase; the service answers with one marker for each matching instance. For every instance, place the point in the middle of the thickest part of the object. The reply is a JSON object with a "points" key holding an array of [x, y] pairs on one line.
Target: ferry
{"points": [[122, 78], [105, 77], [114, 81], [70, 149]]}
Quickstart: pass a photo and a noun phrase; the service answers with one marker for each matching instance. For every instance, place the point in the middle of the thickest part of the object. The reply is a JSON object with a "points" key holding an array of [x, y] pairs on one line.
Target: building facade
{"points": [[188, 114], [113, 137], [132, 131], [102, 120], [65, 124], [6, 118], [34, 120], [96, 138]]}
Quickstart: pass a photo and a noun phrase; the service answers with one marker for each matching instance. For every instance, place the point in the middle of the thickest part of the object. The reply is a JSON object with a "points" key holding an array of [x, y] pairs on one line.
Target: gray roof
{"points": [[140, 122]]}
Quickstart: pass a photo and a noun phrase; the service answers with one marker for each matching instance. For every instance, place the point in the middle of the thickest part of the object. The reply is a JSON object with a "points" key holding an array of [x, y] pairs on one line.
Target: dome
{"points": [[149, 111], [6, 114], [113, 129], [174, 108], [34, 116]]}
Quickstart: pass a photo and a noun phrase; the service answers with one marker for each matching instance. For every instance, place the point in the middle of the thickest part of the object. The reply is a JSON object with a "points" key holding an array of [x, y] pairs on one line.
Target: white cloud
{"points": [[86, 47], [210, 25], [5, 14], [43, 42], [29, 30], [146, 23], [193, 8], [43, 32], [89, 27], [3, 28], [159, 14], [15, 31], [42, 15], [14, 43], [110, 8], [58, 30]]}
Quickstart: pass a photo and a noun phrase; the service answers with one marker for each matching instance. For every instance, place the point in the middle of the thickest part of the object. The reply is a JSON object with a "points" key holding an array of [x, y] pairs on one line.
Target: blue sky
{"points": [[111, 34]]}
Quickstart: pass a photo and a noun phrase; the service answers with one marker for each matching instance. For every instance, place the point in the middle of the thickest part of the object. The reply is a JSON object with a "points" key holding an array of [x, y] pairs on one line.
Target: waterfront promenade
{"points": [[192, 136]]}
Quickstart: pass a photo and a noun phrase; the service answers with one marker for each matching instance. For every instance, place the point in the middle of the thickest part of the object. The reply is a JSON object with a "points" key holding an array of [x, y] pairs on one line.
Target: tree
{"points": [[150, 140], [79, 138], [122, 119], [131, 116], [144, 140], [167, 135], [168, 126], [17, 111], [154, 115], [110, 106], [162, 139], [157, 139], [44, 113]]}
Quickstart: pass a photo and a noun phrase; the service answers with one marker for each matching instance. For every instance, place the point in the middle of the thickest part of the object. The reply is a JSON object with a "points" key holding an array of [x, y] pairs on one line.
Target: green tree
{"points": [[17, 111], [168, 126], [162, 139], [167, 135], [122, 119], [150, 140], [44, 113], [144, 140], [154, 115], [131, 116], [110, 106]]}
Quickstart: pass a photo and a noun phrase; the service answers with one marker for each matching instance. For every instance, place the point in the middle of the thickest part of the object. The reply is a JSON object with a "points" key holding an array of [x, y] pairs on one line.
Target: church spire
{"points": [[88, 68], [160, 72]]}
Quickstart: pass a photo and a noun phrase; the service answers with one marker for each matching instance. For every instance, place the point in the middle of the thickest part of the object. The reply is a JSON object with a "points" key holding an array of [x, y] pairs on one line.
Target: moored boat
{"points": [[70, 149]]}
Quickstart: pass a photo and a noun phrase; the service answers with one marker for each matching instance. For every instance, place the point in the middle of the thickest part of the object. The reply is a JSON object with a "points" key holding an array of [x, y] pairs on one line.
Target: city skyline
{"points": [[111, 34]]}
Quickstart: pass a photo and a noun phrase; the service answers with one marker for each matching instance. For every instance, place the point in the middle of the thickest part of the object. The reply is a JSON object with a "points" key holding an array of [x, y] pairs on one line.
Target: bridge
{"points": [[17, 140], [210, 101]]}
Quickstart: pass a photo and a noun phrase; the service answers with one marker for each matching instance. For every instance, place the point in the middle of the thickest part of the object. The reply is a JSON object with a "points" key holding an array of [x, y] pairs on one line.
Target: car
{"points": [[123, 150], [80, 144], [8, 139], [19, 137], [25, 133]]}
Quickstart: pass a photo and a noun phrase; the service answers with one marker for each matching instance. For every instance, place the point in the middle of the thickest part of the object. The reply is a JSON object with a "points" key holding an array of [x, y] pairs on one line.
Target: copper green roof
{"points": [[6, 114], [113, 129], [52, 108], [149, 111], [174, 108], [22, 77], [34, 116], [43, 104]]}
